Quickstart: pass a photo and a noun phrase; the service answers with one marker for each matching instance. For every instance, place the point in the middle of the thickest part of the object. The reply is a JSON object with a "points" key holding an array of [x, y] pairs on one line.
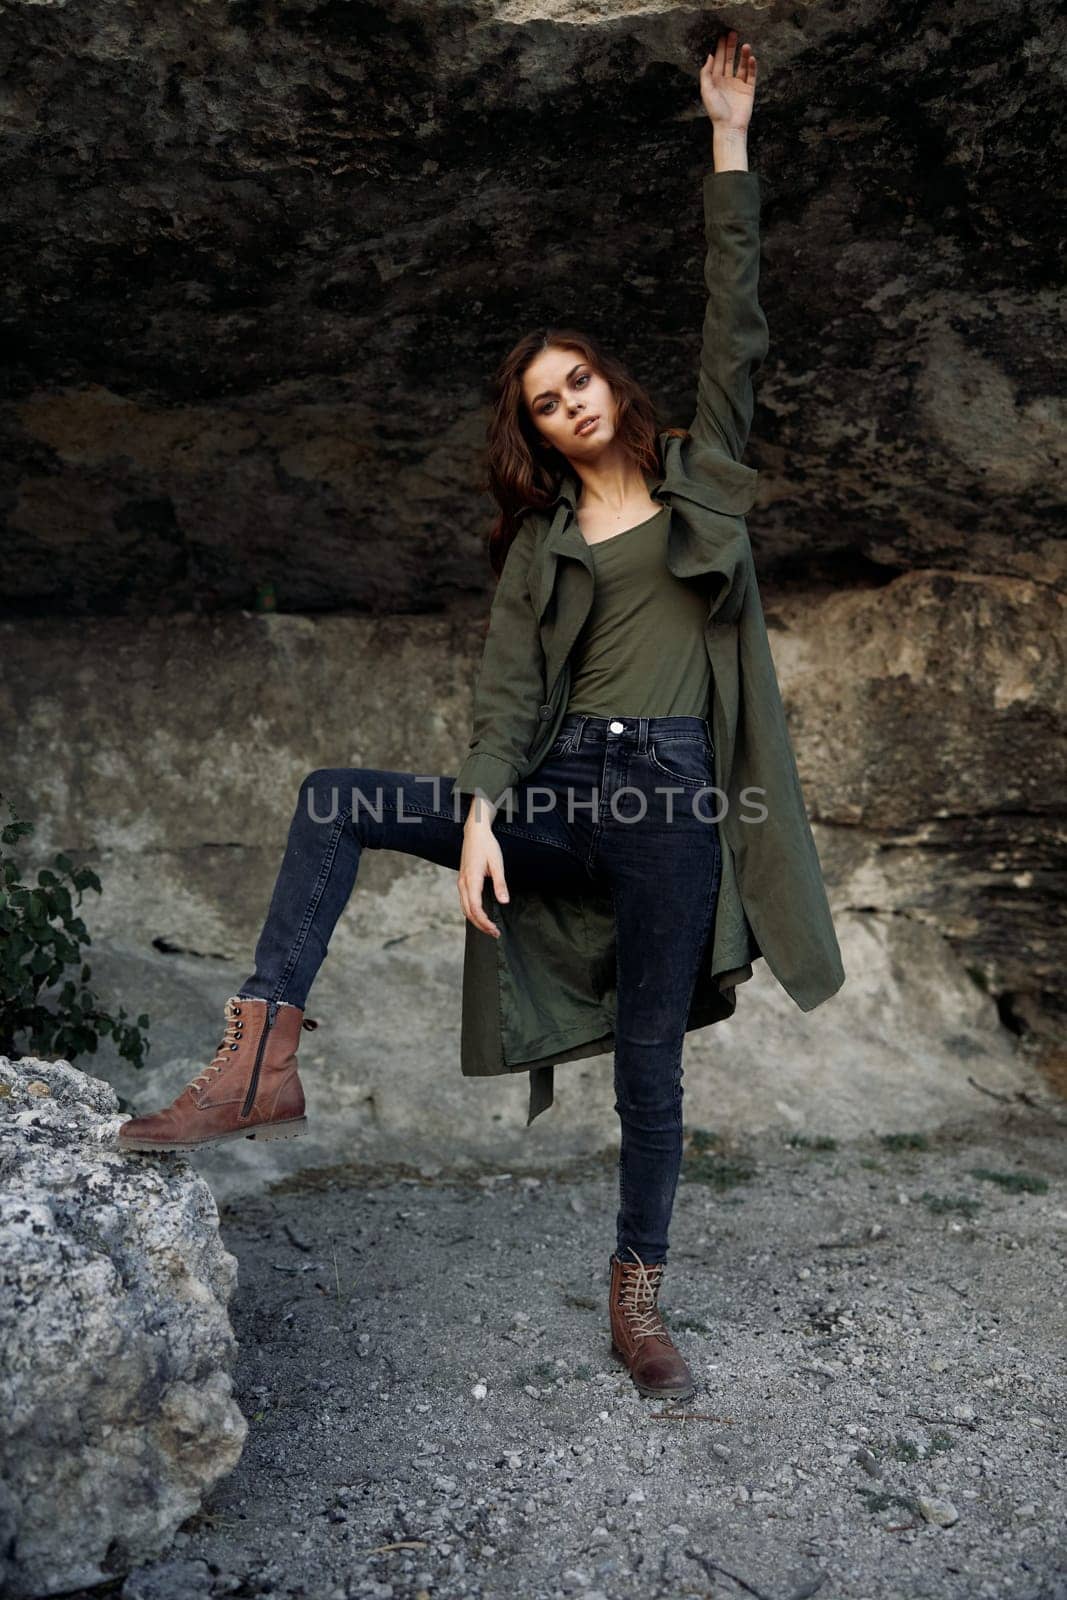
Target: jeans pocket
{"points": [[685, 760]]}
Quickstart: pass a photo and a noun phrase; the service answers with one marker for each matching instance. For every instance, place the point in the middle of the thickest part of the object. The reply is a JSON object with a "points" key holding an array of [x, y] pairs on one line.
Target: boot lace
{"points": [[229, 1042], [638, 1294]]}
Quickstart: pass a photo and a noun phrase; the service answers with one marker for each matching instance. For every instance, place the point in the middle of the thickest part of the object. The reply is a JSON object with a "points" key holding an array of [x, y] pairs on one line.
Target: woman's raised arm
{"points": [[734, 340]]}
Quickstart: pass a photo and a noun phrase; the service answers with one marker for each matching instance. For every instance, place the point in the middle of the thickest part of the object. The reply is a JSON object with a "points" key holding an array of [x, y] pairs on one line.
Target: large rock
{"points": [[115, 1344], [260, 261]]}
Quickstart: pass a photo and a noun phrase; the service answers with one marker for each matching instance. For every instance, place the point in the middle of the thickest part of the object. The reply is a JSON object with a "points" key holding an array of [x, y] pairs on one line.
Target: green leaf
{"points": [[40, 939]]}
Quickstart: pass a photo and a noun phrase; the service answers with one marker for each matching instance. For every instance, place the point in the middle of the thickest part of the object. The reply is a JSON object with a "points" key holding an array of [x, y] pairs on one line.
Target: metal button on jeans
{"points": [[616, 727]]}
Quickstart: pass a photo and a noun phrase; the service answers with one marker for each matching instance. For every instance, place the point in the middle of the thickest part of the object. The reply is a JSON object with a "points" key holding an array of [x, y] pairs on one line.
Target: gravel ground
{"points": [[876, 1329]]}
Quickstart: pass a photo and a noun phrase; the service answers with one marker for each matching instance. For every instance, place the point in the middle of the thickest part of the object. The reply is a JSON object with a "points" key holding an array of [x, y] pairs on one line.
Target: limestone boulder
{"points": [[115, 1342]]}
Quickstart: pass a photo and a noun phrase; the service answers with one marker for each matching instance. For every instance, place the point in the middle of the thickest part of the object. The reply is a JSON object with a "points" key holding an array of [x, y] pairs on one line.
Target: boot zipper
{"points": [[268, 1023]]}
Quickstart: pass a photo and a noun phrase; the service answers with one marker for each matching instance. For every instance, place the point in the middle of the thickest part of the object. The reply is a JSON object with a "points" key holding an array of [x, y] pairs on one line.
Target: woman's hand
{"points": [[480, 855], [729, 96]]}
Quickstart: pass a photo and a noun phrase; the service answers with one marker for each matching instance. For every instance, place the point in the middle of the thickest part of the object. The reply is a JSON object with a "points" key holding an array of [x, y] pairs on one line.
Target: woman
{"points": [[616, 802]]}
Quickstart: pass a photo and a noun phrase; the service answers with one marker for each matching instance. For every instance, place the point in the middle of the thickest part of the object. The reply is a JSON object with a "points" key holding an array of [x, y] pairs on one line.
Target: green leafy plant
{"points": [[41, 937], [706, 1161], [1020, 1182], [942, 1203], [905, 1141]]}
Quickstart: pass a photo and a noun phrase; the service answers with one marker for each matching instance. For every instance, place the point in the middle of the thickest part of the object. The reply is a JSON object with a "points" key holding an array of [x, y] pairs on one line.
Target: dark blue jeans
{"points": [[624, 801]]}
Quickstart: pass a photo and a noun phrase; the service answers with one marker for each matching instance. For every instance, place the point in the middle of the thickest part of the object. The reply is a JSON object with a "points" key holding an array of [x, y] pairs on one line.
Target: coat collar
{"points": [[724, 486]]}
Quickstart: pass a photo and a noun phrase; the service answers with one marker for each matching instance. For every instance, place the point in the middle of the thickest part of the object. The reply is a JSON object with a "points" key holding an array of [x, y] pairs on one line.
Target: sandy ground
{"points": [[877, 1329]]}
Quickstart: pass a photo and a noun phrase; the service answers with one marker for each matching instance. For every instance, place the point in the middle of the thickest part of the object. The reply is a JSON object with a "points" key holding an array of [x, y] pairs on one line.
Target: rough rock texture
{"points": [[115, 1345], [260, 260]]}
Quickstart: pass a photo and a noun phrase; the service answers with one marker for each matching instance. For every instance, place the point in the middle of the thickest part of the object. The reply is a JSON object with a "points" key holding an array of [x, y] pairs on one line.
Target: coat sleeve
{"points": [[510, 684], [734, 340]]}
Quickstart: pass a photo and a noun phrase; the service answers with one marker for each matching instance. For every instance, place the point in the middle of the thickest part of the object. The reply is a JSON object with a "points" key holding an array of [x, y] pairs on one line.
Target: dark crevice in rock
{"points": [[1011, 1020], [845, 567], [165, 948]]}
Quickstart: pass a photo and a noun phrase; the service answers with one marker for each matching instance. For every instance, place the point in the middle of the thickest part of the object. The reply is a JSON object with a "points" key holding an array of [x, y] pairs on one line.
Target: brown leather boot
{"points": [[639, 1334], [250, 1090]]}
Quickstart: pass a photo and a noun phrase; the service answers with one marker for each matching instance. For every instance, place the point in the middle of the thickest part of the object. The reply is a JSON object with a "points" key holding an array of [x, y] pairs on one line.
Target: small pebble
{"points": [[942, 1513]]}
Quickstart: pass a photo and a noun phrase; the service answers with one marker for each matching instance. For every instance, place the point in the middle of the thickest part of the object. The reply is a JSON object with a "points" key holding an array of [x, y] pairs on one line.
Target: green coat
{"points": [[544, 992]]}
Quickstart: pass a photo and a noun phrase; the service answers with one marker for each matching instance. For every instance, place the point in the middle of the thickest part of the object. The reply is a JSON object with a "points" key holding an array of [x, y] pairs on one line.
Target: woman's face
{"points": [[562, 391]]}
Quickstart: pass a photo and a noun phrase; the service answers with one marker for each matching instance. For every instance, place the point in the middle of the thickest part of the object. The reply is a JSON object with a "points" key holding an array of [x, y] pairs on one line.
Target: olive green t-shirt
{"points": [[641, 652]]}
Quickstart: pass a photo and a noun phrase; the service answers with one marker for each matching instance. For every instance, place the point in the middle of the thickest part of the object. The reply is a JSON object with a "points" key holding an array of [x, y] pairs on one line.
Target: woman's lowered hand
{"points": [[481, 856]]}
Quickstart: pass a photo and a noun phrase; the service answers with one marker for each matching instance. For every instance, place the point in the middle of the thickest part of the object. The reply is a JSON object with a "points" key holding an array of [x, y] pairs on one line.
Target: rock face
{"points": [[115, 1344], [261, 262]]}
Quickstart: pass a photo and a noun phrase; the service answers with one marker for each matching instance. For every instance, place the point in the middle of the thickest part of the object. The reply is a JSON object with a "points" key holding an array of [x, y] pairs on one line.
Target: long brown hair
{"points": [[522, 469]]}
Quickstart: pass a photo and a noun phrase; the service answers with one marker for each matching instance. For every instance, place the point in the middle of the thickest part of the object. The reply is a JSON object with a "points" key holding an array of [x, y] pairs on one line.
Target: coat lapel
{"points": [[706, 537], [564, 540]]}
